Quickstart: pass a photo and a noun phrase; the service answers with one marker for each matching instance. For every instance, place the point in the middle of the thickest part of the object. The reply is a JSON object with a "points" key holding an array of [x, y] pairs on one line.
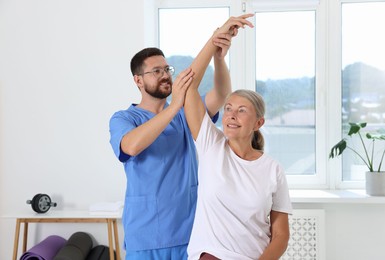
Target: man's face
{"points": [[158, 85]]}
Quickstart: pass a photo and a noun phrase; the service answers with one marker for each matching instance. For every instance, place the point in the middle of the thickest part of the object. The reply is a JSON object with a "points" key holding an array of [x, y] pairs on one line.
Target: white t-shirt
{"points": [[235, 197]]}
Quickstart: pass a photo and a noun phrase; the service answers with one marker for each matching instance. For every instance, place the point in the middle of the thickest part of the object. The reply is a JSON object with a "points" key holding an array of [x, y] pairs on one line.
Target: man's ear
{"points": [[138, 81]]}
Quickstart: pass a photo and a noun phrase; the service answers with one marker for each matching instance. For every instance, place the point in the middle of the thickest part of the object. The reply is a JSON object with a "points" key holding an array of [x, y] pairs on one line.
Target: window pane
{"points": [[182, 34], [285, 76], [184, 31], [363, 77]]}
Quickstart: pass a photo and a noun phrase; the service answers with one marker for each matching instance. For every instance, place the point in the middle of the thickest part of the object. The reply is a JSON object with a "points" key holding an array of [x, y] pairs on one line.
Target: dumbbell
{"points": [[41, 203]]}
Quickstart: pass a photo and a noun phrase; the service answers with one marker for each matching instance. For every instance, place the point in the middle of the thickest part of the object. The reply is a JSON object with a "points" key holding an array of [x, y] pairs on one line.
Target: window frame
{"points": [[328, 68], [318, 180], [335, 96]]}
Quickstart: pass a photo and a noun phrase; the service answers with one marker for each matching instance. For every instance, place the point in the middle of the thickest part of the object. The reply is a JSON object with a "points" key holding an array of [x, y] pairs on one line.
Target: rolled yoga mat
{"points": [[45, 250], [100, 252], [77, 247]]}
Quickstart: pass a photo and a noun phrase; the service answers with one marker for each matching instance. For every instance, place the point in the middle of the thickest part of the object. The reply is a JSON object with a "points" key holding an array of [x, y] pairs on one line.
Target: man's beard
{"points": [[156, 91]]}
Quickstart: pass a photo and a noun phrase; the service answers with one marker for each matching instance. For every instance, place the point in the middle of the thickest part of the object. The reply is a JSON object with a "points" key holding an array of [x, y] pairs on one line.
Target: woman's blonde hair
{"points": [[258, 142]]}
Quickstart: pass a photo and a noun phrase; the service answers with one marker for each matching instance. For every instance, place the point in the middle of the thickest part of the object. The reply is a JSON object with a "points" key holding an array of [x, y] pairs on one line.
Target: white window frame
{"points": [[237, 51], [335, 90], [318, 180], [328, 72], [334, 96]]}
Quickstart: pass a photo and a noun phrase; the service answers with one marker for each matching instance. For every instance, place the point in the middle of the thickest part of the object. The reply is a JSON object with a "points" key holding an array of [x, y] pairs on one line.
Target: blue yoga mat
{"points": [[46, 249]]}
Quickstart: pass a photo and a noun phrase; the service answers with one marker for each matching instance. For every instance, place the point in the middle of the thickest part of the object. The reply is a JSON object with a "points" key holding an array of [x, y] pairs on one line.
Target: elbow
{"points": [[131, 150], [131, 146]]}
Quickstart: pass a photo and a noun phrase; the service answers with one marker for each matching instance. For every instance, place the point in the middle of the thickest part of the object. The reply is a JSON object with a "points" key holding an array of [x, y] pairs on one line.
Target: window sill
{"points": [[334, 196]]}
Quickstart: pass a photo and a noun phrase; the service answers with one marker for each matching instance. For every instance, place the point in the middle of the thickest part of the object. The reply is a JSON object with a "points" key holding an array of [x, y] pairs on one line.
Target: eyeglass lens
{"points": [[160, 72]]}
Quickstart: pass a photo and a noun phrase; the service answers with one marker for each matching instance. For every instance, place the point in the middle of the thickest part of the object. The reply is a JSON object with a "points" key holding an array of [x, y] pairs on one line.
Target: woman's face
{"points": [[240, 118]]}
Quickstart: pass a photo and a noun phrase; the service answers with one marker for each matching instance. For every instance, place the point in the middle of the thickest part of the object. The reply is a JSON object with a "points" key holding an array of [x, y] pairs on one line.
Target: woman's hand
{"points": [[223, 42], [232, 25], [223, 35]]}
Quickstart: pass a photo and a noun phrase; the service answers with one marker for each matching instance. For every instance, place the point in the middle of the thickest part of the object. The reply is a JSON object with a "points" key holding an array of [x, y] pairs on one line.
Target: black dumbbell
{"points": [[41, 203]]}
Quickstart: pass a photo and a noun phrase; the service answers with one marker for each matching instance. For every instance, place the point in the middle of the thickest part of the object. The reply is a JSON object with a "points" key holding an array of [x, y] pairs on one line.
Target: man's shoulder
{"points": [[131, 111]]}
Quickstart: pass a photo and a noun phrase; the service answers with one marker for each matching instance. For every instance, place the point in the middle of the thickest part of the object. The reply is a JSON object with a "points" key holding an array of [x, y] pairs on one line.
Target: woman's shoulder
{"points": [[268, 159]]}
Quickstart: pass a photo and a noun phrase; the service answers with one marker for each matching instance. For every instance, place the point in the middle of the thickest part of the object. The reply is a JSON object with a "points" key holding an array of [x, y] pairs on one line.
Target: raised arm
{"points": [[194, 107], [222, 82], [144, 135]]}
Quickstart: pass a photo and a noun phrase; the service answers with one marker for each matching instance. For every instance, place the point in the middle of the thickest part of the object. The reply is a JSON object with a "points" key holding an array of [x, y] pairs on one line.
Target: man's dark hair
{"points": [[138, 60]]}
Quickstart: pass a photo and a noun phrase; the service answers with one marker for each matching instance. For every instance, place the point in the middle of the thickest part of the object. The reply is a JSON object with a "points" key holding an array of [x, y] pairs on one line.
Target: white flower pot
{"points": [[375, 183]]}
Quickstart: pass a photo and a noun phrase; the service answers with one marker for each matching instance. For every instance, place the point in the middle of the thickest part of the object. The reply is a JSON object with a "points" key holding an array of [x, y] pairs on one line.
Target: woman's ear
{"points": [[259, 123]]}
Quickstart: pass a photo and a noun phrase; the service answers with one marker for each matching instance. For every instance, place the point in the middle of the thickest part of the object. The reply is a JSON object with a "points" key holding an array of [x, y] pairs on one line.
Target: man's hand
{"points": [[180, 86]]}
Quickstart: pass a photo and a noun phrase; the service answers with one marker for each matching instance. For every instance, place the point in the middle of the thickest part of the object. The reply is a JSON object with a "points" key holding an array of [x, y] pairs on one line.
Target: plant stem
{"points": [[382, 157], [371, 162], [370, 166], [362, 158]]}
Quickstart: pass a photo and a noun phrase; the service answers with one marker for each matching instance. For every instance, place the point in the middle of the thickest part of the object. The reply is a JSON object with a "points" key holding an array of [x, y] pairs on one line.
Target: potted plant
{"points": [[375, 178]]}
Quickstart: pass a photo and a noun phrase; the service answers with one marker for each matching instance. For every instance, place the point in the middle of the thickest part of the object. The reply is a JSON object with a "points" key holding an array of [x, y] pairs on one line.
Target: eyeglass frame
{"points": [[170, 70]]}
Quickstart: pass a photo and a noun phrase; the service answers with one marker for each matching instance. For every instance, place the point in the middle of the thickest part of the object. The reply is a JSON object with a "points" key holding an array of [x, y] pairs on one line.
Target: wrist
{"points": [[174, 106]]}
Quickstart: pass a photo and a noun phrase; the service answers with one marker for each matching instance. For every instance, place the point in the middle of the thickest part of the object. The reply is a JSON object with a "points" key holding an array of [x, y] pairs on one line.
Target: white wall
{"points": [[64, 69]]}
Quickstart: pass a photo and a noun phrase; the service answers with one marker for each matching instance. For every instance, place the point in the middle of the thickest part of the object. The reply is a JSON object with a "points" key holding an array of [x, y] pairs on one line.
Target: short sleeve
{"points": [[281, 196], [119, 126], [208, 135]]}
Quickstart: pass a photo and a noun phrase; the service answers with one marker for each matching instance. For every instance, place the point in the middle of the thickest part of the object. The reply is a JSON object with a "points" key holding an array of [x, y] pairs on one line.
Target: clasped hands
{"points": [[221, 38]]}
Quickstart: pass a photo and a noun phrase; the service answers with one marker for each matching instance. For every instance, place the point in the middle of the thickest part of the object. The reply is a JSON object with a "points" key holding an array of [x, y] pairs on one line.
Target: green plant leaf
{"points": [[355, 127], [338, 149], [365, 157], [375, 136]]}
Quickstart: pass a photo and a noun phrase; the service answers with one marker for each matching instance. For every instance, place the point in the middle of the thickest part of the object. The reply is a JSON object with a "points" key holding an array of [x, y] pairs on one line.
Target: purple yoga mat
{"points": [[46, 249]]}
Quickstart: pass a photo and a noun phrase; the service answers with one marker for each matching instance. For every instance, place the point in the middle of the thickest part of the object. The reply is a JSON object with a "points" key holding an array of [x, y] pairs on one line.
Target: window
{"points": [[285, 76], [363, 75], [318, 63], [288, 69], [181, 44], [181, 40]]}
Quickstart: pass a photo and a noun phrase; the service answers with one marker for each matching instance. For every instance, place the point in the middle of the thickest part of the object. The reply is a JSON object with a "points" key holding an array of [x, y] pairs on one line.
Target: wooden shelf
{"points": [[68, 218]]}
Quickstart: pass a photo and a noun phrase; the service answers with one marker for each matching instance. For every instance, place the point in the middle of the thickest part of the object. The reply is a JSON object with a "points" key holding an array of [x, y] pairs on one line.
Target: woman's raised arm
{"points": [[193, 105]]}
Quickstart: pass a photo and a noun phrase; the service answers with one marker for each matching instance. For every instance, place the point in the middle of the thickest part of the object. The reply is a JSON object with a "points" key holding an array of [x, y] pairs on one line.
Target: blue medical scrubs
{"points": [[162, 182]]}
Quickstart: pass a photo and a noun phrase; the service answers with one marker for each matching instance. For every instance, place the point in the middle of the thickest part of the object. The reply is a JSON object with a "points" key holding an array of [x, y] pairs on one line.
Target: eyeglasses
{"points": [[159, 72]]}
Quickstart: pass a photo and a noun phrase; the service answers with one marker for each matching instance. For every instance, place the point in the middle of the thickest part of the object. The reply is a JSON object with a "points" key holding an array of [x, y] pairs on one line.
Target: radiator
{"points": [[307, 235]]}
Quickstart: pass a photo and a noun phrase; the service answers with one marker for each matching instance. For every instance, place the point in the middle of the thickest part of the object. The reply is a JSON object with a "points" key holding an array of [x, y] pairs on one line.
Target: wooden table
{"points": [[68, 218]]}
